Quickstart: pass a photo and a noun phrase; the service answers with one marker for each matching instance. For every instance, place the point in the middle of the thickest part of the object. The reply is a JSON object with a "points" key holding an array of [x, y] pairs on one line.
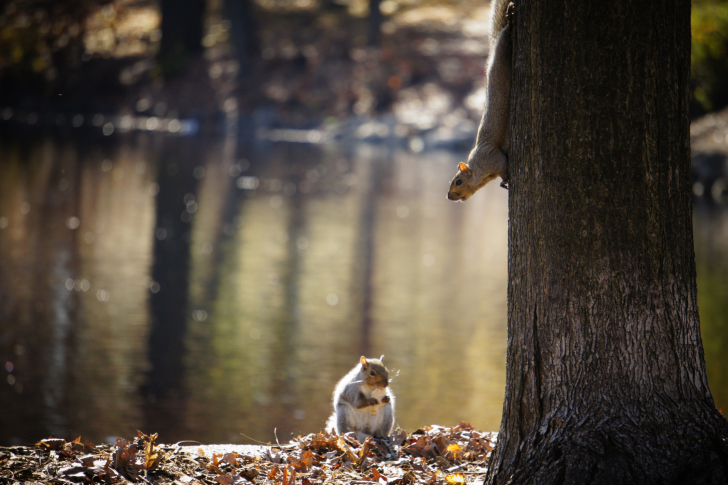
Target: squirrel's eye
{"points": [[371, 372], [458, 182]]}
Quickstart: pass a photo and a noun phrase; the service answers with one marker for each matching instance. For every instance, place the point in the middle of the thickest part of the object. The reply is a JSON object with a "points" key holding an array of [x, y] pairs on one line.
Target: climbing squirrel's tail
{"points": [[498, 19], [489, 158]]}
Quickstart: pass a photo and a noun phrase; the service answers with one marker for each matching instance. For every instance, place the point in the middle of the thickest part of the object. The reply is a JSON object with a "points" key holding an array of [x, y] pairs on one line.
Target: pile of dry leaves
{"points": [[433, 455]]}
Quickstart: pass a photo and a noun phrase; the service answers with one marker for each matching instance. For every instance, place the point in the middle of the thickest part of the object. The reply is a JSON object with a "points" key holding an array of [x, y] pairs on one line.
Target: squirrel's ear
{"points": [[382, 358], [363, 361], [465, 169]]}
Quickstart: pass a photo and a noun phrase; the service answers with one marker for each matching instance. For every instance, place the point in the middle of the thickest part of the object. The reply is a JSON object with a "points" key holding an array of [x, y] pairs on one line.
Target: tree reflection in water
{"points": [[212, 290]]}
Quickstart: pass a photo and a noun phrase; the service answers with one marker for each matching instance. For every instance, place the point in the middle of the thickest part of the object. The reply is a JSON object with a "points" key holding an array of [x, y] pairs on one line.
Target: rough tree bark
{"points": [[605, 377]]}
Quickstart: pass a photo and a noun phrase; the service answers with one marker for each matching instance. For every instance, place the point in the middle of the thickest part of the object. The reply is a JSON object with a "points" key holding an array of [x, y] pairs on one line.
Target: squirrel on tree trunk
{"points": [[489, 158]]}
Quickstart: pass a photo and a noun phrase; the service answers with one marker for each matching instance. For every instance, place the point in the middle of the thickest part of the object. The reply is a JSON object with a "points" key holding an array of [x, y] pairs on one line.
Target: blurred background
{"points": [[209, 209]]}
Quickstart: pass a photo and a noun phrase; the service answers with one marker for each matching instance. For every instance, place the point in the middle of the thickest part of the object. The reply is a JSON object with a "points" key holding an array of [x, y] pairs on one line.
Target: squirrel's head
{"points": [[374, 372], [463, 184], [482, 167]]}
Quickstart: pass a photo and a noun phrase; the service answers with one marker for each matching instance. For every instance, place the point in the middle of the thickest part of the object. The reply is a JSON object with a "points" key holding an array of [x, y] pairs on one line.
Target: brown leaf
{"points": [[399, 437], [307, 458], [344, 448], [455, 479], [454, 452], [52, 443], [434, 478], [364, 450], [409, 477], [441, 443], [87, 460], [376, 476], [85, 445], [125, 457], [292, 478], [230, 479], [249, 473], [154, 457], [304, 462], [231, 459]]}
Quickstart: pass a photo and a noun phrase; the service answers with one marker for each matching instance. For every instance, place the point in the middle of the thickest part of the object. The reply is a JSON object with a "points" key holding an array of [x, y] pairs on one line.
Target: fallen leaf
{"points": [[249, 473], [231, 459], [230, 479], [343, 447], [154, 457], [455, 479], [454, 452], [85, 445], [52, 443]]}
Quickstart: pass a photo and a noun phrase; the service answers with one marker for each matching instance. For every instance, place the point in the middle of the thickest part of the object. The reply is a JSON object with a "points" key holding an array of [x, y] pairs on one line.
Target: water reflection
{"points": [[73, 259], [711, 258], [214, 291]]}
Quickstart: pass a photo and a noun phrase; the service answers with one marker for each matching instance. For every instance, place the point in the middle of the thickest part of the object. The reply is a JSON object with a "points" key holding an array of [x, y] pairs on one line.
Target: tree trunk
{"points": [[374, 26], [605, 374], [244, 33], [182, 29]]}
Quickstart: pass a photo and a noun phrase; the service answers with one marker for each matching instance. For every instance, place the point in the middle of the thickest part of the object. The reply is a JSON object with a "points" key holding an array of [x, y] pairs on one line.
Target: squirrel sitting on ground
{"points": [[489, 158], [363, 402]]}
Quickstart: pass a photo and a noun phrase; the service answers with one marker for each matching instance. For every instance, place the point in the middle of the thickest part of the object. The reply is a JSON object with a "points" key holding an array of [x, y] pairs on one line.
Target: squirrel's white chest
{"points": [[377, 394]]}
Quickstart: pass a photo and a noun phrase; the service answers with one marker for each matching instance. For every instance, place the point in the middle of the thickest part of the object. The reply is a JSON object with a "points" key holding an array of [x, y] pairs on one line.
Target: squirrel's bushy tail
{"points": [[498, 9]]}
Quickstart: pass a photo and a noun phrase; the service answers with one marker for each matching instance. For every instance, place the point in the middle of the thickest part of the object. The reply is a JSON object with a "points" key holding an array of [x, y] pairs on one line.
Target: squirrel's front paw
{"points": [[372, 402], [510, 13], [386, 399]]}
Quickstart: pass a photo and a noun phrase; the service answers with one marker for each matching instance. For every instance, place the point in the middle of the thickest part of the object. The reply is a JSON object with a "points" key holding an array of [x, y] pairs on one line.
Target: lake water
{"points": [[215, 290]]}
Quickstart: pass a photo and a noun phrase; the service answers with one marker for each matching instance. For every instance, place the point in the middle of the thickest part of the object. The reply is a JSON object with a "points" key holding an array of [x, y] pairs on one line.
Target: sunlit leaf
{"points": [[455, 479], [231, 459], [154, 457], [84, 444], [455, 452], [229, 479], [52, 443]]}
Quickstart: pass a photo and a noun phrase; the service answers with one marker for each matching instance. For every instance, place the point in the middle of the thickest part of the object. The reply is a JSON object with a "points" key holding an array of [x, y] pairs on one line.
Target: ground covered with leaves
{"points": [[432, 455]]}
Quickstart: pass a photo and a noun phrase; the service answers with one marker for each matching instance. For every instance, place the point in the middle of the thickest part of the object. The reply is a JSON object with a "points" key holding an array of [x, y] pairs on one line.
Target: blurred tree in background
{"points": [[709, 55], [311, 59], [43, 38], [244, 32], [182, 30]]}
